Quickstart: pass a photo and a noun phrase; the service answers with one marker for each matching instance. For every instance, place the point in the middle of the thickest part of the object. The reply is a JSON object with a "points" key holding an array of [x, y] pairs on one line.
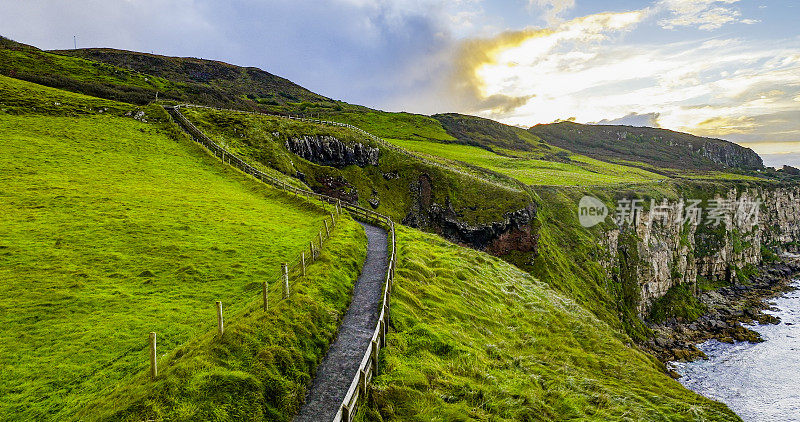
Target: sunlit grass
{"points": [[112, 229], [477, 339], [579, 171]]}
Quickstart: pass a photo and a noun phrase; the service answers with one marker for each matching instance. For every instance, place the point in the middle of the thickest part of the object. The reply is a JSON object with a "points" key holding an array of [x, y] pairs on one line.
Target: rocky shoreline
{"points": [[728, 308]]}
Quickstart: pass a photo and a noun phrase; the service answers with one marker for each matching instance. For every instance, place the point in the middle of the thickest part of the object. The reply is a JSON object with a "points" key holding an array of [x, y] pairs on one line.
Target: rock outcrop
{"points": [[514, 232], [330, 151]]}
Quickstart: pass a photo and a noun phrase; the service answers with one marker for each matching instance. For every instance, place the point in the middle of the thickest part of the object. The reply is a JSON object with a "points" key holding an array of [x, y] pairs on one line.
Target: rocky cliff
{"points": [[652, 253], [513, 232]]}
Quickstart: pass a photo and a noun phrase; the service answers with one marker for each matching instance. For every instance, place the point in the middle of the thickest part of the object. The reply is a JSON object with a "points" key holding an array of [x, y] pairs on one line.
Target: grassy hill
{"points": [[560, 169], [670, 152], [488, 134], [115, 226], [138, 77], [263, 139], [205, 81], [475, 338]]}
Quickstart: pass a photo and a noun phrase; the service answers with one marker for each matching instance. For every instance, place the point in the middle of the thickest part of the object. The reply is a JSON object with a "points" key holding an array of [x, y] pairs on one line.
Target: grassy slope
{"points": [[533, 164], [260, 368], [253, 137], [485, 133], [477, 339], [80, 75], [206, 81], [112, 229], [518, 156], [578, 171], [137, 77]]}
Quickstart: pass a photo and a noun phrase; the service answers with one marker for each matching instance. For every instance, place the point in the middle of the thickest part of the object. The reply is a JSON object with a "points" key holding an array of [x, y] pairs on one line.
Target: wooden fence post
{"points": [[285, 270], [311, 245], [327, 230], [303, 262], [265, 290], [374, 358], [153, 356], [338, 206], [220, 323], [333, 220], [363, 374], [320, 241]]}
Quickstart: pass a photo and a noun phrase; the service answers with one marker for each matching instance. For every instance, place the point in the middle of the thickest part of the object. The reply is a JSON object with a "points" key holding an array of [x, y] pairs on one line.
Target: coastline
{"points": [[728, 309]]}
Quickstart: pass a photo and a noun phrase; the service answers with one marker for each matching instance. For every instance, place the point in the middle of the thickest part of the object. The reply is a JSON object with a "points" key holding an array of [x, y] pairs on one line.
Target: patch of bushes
{"points": [[678, 302]]}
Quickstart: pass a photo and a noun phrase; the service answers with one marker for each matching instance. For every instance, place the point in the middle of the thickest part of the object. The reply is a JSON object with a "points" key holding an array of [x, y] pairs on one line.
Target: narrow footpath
{"points": [[340, 364]]}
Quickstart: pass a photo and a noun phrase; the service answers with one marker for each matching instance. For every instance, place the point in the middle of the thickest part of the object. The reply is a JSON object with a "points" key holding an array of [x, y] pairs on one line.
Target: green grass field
{"points": [[260, 368], [477, 339], [579, 171], [25, 60], [113, 229], [391, 125]]}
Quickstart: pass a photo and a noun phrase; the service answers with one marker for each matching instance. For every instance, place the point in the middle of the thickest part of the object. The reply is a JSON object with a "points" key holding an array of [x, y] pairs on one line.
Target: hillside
{"points": [[485, 133], [660, 149], [115, 226], [205, 81], [139, 78], [477, 339]]}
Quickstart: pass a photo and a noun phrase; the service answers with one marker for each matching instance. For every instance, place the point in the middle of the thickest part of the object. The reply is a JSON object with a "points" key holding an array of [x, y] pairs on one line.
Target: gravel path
{"points": [[340, 364]]}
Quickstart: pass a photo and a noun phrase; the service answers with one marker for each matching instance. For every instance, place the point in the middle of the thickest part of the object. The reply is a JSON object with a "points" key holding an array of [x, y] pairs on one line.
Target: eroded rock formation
{"points": [[330, 151], [513, 232]]}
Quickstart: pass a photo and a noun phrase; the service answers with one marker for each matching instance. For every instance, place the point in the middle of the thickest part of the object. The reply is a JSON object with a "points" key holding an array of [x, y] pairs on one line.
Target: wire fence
{"points": [[295, 269]]}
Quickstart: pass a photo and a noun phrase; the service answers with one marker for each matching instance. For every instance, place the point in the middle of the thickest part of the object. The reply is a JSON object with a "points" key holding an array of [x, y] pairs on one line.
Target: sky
{"points": [[728, 69]]}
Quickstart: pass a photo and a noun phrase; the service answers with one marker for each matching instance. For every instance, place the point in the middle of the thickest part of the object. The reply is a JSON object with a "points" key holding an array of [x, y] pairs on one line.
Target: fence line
{"points": [[369, 135], [369, 363]]}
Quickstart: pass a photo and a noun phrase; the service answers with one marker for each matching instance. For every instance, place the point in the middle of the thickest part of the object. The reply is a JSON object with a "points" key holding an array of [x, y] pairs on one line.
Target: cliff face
{"points": [[729, 155], [655, 256], [514, 232]]}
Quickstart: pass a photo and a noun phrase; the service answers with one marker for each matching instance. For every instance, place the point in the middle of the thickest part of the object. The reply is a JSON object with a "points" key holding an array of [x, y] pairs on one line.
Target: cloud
{"points": [[722, 125], [553, 9], [705, 14], [585, 68], [363, 51], [633, 119], [498, 75]]}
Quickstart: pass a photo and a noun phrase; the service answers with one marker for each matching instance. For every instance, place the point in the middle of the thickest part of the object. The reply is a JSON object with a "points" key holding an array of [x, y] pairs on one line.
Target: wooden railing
{"points": [[368, 367]]}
